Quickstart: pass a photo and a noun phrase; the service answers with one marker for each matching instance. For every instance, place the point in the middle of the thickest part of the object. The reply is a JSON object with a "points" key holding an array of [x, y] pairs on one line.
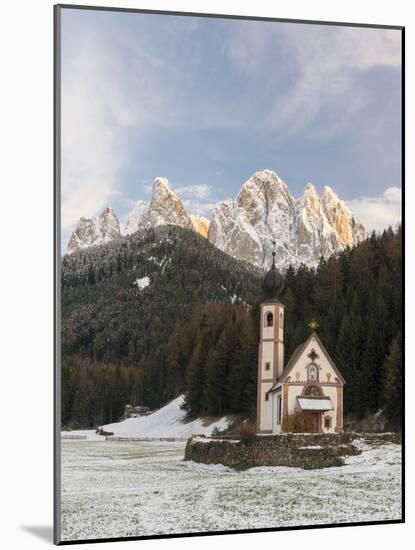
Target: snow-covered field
{"points": [[121, 489]]}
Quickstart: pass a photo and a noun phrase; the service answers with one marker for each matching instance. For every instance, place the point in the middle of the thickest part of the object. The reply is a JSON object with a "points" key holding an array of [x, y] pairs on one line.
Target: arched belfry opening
{"points": [[269, 319]]}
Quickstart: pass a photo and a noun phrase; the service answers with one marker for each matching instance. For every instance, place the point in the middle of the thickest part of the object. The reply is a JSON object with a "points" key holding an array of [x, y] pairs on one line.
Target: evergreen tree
{"points": [[393, 383], [195, 328]]}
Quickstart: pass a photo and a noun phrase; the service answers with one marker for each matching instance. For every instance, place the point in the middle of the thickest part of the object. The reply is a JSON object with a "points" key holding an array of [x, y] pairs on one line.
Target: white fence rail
{"points": [[126, 438]]}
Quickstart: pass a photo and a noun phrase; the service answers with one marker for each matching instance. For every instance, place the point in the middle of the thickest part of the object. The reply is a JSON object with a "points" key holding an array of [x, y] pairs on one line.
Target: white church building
{"points": [[309, 384]]}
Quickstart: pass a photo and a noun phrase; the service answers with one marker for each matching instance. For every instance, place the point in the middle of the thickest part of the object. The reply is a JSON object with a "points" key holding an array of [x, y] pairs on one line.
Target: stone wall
{"points": [[307, 451]]}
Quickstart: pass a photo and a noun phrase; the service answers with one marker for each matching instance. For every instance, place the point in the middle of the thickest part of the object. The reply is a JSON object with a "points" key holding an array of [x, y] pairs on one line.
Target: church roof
{"points": [[299, 350]]}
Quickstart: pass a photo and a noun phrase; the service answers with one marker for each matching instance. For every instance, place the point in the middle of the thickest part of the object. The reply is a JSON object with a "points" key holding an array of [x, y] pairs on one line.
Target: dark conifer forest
{"points": [[193, 325]]}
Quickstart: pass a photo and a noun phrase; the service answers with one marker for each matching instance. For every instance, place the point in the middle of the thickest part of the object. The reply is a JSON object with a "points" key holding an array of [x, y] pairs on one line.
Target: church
{"points": [[308, 386]]}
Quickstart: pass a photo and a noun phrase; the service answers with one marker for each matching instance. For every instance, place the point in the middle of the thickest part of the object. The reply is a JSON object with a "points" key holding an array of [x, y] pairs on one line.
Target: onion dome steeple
{"points": [[273, 281]]}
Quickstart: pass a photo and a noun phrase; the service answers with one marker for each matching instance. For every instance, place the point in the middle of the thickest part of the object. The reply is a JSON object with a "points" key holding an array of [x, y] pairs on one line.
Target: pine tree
{"points": [[393, 383], [195, 383], [120, 344]]}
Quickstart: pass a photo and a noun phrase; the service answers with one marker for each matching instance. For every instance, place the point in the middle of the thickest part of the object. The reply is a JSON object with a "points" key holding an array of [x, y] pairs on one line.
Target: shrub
{"points": [[296, 423], [247, 430]]}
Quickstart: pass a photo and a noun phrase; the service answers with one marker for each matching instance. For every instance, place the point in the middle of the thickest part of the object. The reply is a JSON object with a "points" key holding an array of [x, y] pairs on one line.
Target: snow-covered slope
{"points": [[169, 421], [303, 230]]}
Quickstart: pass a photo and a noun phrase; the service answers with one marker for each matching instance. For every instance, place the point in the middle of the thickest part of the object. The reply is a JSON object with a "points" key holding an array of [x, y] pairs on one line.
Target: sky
{"points": [[207, 102]]}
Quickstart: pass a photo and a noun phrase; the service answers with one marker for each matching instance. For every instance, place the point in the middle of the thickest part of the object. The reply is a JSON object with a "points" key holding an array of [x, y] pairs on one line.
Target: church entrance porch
{"points": [[313, 421], [312, 410]]}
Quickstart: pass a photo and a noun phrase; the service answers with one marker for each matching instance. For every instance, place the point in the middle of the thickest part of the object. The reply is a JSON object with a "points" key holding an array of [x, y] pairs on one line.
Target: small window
{"points": [[267, 397], [269, 319], [267, 366], [327, 422]]}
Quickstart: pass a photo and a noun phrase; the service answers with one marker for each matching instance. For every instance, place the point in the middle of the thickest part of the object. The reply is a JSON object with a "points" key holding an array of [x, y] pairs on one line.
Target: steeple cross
{"points": [[273, 253]]}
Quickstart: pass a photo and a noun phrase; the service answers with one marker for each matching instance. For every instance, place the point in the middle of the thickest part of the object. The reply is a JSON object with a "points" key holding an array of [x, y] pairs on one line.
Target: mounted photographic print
{"points": [[229, 288]]}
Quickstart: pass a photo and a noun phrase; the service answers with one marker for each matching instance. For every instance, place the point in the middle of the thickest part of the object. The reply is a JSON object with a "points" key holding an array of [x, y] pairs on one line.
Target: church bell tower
{"points": [[271, 346]]}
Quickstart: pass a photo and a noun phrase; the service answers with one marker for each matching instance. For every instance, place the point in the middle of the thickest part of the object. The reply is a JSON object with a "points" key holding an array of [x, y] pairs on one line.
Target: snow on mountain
{"points": [[347, 228], [200, 225], [142, 283], [264, 211], [303, 230], [95, 230], [169, 421], [164, 208], [136, 218], [316, 236]]}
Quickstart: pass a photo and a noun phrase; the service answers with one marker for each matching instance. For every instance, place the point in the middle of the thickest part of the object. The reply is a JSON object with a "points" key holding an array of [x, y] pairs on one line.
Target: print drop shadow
{"points": [[44, 532]]}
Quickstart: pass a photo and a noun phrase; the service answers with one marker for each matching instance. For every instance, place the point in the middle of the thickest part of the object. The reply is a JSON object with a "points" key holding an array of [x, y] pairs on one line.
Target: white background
{"points": [[26, 303]]}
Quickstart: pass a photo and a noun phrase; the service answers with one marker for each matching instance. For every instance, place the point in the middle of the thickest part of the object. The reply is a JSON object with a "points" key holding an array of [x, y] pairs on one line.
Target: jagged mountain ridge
{"points": [[165, 208], [264, 211], [303, 229]]}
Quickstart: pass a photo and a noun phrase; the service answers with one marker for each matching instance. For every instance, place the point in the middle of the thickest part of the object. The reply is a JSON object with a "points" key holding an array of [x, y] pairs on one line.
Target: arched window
{"points": [[269, 319]]}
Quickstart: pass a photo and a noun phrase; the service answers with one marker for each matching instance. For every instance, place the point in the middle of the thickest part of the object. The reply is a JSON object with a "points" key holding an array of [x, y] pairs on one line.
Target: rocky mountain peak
{"points": [[161, 187], [200, 225], [166, 207], [108, 224], [310, 202], [304, 229], [329, 195], [93, 231], [345, 225], [136, 217]]}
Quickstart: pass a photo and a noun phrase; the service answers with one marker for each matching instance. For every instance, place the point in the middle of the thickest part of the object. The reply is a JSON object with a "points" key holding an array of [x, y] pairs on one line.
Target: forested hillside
{"points": [[194, 328], [121, 305]]}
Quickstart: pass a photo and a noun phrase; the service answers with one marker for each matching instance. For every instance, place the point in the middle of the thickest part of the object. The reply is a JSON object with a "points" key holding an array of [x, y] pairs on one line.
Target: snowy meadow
{"points": [[140, 488]]}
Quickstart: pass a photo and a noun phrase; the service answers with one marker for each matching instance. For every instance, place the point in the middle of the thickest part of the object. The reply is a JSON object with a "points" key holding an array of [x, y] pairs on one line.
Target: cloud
{"points": [[393, 194], [199, 207], [91, 157], [303, 68], [378, 213], [198, 191], [104, 97], [198, 199]]}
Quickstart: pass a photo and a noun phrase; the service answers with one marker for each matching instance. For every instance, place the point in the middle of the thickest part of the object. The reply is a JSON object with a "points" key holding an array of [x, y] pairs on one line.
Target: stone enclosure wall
{"points": [[307, 451]]}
